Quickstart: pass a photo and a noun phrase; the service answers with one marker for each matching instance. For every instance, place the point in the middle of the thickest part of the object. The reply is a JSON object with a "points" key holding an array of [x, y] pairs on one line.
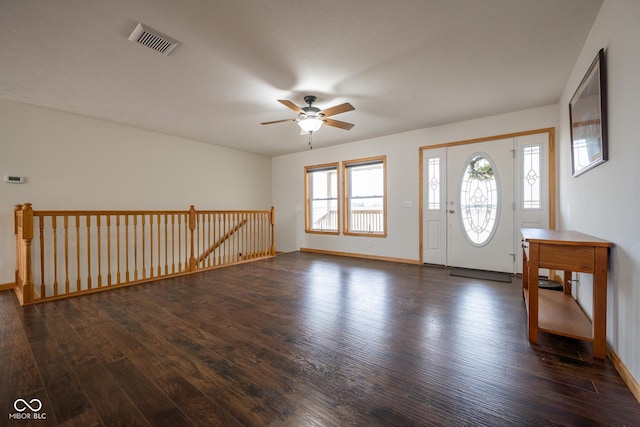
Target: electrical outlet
{"points": [[369, 243]]}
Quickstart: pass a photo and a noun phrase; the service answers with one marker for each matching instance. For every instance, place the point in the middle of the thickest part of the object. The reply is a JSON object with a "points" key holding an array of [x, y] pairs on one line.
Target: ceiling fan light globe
{"points": [[310, 125]]}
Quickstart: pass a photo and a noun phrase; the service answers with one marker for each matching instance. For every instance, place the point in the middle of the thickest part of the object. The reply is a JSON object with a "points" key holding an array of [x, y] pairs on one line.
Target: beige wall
{"points": [[74, 162], [605, 201]]}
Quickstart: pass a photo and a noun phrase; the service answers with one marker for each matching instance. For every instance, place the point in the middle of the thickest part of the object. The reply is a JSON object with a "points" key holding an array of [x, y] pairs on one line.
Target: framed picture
{"points": [[588, 116]]}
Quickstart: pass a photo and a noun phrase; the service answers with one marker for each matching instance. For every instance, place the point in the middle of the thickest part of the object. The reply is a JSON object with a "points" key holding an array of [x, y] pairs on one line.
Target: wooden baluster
{"points": [[173, 243], [54, 230], [126, 247], [208, 215], [99, 251], [88, 251], [118, 248], [135, 248], [265, 233], [108, 250], [252, 228], [241, 236], [199, 237], [260, 231], [226, 242], [151, 248], [78, 280], [41, 244], [253, 235], [67, 288], [192, 227], [165, 246], [230, 238], [218, 232], [240, 251], [186, 241], [238, 233], [256, 238], [245, 237], [236, 237], [203, 239], [180, 242], [196, 240], [144, 258]]}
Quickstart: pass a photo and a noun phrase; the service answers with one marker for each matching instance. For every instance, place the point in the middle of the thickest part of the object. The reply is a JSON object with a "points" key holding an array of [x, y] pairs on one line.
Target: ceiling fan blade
{"points": [[291, 105], [338, 124], [342, 108], [278, 121]]}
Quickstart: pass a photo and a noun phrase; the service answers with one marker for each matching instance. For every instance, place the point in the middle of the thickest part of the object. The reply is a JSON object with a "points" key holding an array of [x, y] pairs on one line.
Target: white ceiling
{"points": [[403, 64]]}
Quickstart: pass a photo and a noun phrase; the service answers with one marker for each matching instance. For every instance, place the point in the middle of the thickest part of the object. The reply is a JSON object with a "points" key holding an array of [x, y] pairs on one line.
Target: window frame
{"points": [[346, 195], [308, 170]]}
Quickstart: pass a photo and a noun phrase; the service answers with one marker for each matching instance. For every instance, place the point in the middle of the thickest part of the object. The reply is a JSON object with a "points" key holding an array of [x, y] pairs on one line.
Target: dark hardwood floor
{"points": [[300, 340]]}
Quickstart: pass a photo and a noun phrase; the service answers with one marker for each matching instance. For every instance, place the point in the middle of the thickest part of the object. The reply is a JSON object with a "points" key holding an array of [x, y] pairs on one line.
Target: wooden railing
{"points": [[67, 253], [328, 221], [368, 221]]}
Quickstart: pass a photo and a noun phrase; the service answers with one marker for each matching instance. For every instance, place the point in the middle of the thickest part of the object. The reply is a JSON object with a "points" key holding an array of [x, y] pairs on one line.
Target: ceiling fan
{"points": [[310, 119]]}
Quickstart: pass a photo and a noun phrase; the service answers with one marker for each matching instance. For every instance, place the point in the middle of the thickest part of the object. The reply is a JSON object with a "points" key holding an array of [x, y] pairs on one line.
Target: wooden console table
{"points": [[557, 312]]}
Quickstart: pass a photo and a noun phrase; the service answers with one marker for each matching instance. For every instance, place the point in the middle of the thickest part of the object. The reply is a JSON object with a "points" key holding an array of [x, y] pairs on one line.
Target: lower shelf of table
{"points": [[560, 314]]}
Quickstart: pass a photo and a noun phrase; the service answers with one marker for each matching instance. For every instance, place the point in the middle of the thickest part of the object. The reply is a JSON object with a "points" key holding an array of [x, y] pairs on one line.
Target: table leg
{"points": [[533, 278], [600, 304]]}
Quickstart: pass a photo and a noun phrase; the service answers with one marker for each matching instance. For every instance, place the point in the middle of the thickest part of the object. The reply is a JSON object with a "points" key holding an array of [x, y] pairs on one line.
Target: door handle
{"points": [[451, 211]]}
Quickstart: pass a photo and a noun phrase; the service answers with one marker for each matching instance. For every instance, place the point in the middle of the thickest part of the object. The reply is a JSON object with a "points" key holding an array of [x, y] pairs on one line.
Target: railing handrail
{"points": [[147, 244], [67, 212]]}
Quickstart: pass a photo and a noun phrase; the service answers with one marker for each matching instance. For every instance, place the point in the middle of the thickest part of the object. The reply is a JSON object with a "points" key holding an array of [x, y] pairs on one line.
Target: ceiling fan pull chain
{"points": [[310, 140]]}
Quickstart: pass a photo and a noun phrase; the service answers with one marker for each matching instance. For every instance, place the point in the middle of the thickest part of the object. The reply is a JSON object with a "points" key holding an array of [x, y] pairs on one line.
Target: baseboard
{"points": [[628, 379], [7, 286], [363, 256]]}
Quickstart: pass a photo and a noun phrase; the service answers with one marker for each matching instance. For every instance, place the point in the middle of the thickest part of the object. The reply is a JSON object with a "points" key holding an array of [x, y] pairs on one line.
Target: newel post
{"points": [[27, 237], [272, 250], [192, 227], [17, 218]]}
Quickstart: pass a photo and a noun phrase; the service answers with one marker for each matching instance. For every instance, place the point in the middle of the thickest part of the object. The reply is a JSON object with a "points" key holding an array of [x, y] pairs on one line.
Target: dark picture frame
{"points": [[588, 117]]}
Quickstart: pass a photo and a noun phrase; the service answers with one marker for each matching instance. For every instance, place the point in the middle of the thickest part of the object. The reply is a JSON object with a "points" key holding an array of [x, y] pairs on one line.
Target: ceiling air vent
{"points": [[153, 39]]}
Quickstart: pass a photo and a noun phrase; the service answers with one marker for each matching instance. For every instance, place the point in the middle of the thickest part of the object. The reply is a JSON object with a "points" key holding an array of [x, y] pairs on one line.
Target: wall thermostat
{"points": [[13, 179]]}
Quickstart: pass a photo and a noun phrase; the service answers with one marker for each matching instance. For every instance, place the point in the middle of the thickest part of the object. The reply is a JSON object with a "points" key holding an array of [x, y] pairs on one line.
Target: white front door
{"points": [[475, 223], [480, 208]]}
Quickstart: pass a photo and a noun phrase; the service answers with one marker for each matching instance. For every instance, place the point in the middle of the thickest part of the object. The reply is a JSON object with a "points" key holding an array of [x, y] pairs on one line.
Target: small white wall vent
{"points": [[153, 39]]}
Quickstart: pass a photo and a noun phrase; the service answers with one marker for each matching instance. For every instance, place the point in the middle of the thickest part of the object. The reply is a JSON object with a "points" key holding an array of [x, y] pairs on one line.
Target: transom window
{"points": [[321, 195], [365, 196]]}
